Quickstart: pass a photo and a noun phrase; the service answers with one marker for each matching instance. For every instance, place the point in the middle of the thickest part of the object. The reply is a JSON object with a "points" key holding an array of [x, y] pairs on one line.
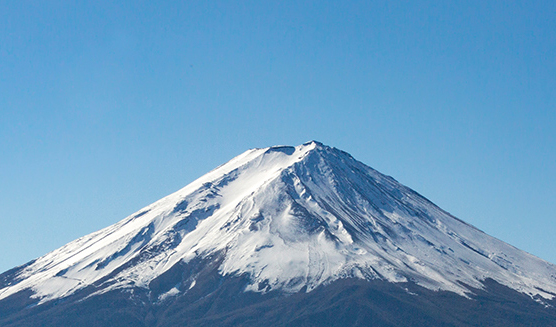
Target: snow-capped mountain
{"points": [[288, 220]]}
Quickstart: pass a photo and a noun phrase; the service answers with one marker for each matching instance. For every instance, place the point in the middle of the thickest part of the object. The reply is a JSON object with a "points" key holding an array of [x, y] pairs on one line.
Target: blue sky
{"points": [[105, 108]]}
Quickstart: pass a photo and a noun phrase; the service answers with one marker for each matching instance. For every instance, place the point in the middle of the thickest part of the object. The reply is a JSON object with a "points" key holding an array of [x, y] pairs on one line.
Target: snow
{"points": [[290, 218], [172, 292]]}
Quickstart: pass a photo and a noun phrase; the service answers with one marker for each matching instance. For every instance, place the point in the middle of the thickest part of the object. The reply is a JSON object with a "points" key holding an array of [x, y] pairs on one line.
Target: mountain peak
{"points": [[313, 142], [305, 147], [288, 219]]}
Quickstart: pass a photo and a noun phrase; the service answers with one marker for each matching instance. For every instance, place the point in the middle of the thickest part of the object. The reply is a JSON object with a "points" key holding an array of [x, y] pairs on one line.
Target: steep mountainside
{"points": [[280, 226]]}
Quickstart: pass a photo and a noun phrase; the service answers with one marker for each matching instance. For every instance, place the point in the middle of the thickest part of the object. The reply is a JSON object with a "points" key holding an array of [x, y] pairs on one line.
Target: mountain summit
{"points": [[280, 224]]}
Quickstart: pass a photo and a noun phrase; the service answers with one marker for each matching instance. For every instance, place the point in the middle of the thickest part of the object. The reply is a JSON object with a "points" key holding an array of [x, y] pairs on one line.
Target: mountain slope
{"points": [[280, 220]]}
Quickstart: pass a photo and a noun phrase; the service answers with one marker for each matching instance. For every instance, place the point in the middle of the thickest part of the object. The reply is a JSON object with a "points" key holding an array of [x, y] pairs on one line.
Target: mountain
{"points": [[285, 235]]}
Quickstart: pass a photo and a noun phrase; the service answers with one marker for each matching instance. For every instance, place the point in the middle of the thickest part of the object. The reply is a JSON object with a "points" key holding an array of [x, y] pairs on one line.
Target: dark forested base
{"points": [[219, 301]]}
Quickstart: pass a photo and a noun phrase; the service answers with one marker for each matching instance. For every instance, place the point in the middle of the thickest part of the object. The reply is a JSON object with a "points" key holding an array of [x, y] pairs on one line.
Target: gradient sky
{"points": [[105, 108]]}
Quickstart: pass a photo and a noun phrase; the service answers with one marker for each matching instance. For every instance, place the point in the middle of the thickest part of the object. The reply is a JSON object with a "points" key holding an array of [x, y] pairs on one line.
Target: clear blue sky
{"points": [[105, 108]]}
